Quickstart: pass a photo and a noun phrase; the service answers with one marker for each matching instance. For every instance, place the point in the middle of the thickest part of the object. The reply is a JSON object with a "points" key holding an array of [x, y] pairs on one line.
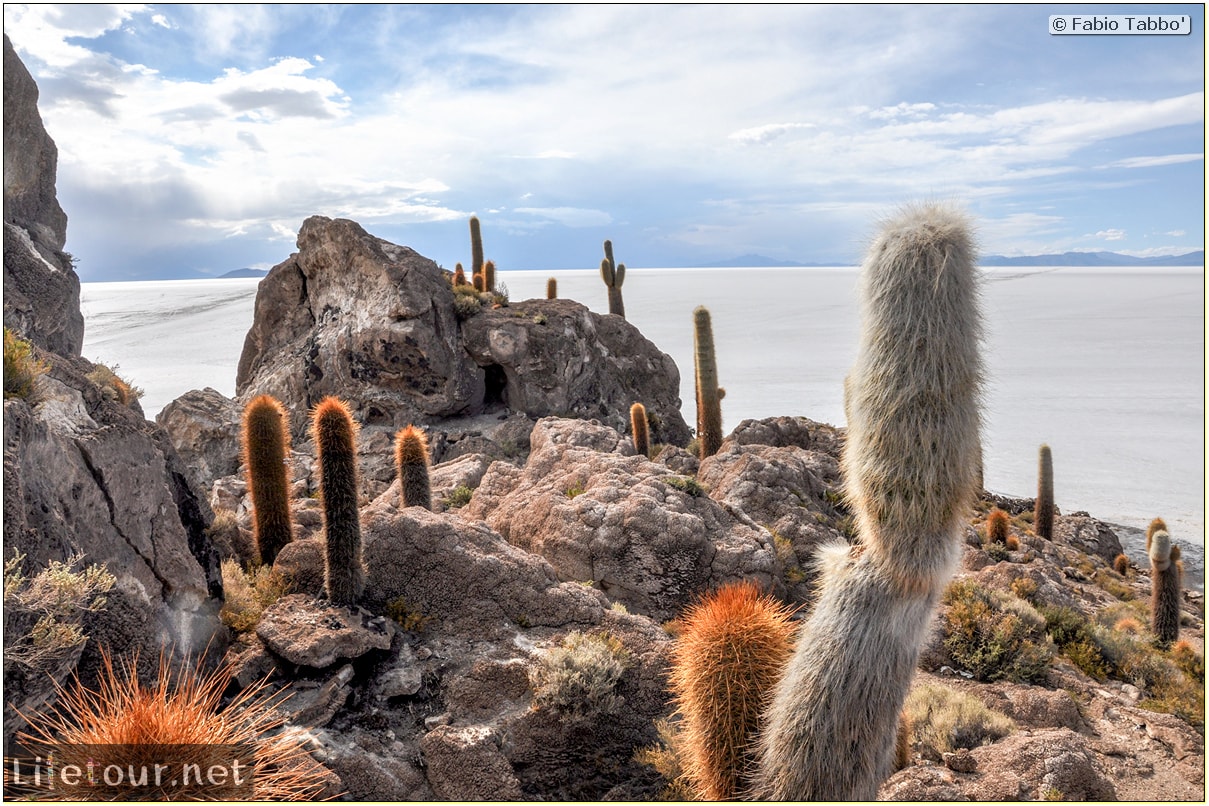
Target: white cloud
{"points": [[767, 133], [1110, 234], [1176, 233], [161, 21], [901, 110], [1152, 162], [569, 216]]}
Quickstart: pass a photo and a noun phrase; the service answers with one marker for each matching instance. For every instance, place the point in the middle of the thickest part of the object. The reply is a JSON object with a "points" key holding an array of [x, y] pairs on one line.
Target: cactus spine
{"points": [[476, 247], [552, 288], [709, 396], [411, 457], [733, 646], [1164, 588], [265, 441], [335, 437], [997, 526], [910, 465], [613, 276], [1043, 516], [639, 428]]}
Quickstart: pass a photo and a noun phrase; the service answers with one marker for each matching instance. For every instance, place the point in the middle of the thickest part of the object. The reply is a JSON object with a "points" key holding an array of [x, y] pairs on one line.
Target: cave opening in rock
{"points": [[495, 392]]}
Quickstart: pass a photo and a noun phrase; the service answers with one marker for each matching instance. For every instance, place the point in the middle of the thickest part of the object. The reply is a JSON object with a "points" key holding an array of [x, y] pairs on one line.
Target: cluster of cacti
{"points": [[1043, 514], [709, 395], [997, 526], [411, 458], [1165, 571], [613, 275], [335, 433], [640, 429], [552, 288], [910, 463], [265, 442], [729, 654]]}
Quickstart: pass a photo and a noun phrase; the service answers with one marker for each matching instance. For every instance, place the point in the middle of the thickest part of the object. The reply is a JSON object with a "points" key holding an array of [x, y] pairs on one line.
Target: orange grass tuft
{"points": [[732, 649], [125, 722]]}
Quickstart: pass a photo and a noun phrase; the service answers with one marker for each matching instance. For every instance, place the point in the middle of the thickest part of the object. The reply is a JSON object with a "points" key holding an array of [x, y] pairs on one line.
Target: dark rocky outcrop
{"points": [[373, 322], [41, 289]]}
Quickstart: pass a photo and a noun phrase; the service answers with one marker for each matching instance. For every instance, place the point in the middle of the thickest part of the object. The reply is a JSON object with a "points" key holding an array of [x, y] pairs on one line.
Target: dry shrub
{"points": [[178, 719], [994, 635], [1012, 543], [113, 386], [246, 595], [579, 677], [1128, 624], [43, 613], [1188, 660], [944, 720], [21, 366]]}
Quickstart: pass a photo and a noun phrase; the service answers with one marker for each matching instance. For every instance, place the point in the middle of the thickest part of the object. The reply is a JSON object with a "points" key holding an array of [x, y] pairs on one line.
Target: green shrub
{"points": [[579, 678], [686, 485], [43, 613], [407, 615], [458, 497], [997, 551], [21, 367], [246, 595], [947, 720], [575, 490], [995, 636], [466, 305]]}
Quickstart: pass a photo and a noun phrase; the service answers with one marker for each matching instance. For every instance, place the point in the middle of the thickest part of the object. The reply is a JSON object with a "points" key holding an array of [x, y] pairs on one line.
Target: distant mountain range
{"points": [[243, 273], [1064, 259]]}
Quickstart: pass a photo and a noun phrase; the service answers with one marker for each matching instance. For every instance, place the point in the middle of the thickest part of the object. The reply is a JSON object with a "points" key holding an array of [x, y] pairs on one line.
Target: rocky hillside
{"points": [[513, 642]]}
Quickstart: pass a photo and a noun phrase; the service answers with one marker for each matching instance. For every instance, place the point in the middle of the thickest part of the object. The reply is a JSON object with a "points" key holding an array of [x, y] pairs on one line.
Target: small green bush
{"points": [[43, 613], [466, 305], [995, 636], [947, 720], [575, 490], [579, 678], [246, 595], [685, 484], [407, 615], [997, 551], [458, 497], [21, 368]]}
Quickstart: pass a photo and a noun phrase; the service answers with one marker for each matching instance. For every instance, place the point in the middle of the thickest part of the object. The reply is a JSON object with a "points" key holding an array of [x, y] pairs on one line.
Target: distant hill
{"points": [[243, 273], [1095, 259]]}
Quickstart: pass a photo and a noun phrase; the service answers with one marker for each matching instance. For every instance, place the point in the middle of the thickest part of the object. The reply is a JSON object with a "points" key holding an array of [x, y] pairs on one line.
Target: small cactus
{"points": [[709, 396], [613, 275], [1164, 588], [480, 285], [997, 526], [731, 650], [335, 436], [265, 442], [639, 428], [459, 275], [489, 275], [476, 247], [1043, 516], [411, 457], [552, 288], [1121, 565]]}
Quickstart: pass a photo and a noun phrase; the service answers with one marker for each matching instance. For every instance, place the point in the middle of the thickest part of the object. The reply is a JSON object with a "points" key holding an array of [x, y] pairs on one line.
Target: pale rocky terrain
{"points": [[438, 685]]}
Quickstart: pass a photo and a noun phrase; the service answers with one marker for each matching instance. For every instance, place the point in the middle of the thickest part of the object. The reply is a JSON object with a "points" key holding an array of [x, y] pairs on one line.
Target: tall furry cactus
{"points": [[639, 428], [411, 457], [910, 464], [1156, 525], [489, 275], [335, 436], [265, 442], [552, 288], [1043, 514], [613, 276], [476, 247], [1164, 587], [459, 275], [998, 523], [709, 396], [729, 654]]}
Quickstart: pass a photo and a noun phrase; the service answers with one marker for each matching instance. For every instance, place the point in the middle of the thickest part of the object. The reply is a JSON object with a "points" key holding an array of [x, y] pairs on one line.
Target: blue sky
{"points": [[196, 139]]}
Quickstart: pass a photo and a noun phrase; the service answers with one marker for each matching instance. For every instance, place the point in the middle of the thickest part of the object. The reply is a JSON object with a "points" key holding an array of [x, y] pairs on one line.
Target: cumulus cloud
{"points": [[1111, 234], [768, 132]]}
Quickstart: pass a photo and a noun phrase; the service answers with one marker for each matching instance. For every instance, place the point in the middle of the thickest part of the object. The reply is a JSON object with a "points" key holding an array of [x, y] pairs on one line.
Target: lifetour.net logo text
{"points": [[133, 772]]}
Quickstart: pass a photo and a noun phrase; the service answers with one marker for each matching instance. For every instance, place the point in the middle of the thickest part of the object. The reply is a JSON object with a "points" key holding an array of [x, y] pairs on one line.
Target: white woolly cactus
{"points": [[911, 466]]}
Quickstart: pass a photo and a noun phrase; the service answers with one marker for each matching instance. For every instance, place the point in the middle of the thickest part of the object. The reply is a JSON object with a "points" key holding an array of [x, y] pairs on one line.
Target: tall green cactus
{"points": [[265, 441], [640, 429], [709, 395], [411, 457], [1164, 588], [476, 247], [1043, 513], [334, 432], [552, 288], [910, 464], [730, 651], [613, 276], [489, 275]]}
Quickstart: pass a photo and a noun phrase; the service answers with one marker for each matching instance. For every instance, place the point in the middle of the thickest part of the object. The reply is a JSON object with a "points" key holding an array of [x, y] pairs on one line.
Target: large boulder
{"points": [[41, 289], [649, 538], [204, 427], [373, 322]]}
